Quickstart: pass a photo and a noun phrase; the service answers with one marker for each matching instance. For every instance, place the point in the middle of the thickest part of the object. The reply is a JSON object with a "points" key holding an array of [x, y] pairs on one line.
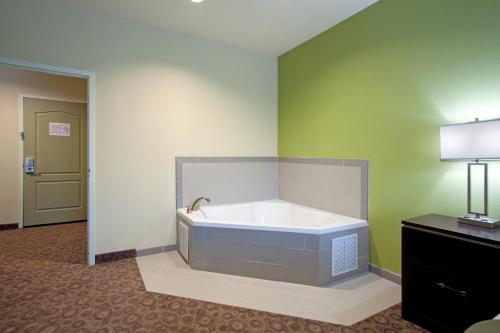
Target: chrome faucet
{"points": [[195, 205]]}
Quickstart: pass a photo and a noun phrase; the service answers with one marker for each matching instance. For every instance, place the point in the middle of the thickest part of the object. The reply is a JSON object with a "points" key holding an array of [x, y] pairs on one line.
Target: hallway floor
{"points": [[65, 242], [44, 288]]}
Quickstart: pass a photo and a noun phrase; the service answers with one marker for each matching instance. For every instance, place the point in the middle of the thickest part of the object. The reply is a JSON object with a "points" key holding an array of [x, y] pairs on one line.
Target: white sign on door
{"points": [[59, 129]]}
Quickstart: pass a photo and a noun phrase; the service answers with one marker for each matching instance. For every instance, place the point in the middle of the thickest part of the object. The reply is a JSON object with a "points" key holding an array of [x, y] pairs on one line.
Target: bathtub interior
{"points": [[273, 212]]}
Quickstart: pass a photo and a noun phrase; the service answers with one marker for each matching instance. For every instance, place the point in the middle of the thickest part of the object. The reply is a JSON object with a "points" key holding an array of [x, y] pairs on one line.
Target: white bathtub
{"points": [[273, 215]]}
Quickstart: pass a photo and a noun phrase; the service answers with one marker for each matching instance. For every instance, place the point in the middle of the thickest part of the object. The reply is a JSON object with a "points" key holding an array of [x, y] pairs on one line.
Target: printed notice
{"points": [[59, 129]]}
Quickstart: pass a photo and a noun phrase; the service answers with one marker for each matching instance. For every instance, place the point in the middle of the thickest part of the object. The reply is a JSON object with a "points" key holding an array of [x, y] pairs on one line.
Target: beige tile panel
{"points": [[329, 187], [335, 185], [228, 182]]}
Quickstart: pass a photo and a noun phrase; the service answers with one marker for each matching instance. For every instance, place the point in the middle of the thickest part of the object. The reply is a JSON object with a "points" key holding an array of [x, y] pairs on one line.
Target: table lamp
{"points": [[475, 141]]}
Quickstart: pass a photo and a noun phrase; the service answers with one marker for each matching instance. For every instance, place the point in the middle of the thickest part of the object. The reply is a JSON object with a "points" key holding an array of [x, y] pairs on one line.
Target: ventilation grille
{"points": [[183, 239], [344, 254]]}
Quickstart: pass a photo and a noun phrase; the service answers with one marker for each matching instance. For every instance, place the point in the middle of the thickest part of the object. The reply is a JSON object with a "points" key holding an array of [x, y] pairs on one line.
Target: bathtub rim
{"points": [[204, 222]]}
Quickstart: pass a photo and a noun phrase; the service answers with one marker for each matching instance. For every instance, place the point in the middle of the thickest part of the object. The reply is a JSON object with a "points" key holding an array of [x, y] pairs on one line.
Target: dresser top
{"points": [[449, 225]]}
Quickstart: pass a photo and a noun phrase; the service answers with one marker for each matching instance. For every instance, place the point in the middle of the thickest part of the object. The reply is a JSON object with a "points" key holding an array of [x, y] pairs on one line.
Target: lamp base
{"points": [[484, 222]]}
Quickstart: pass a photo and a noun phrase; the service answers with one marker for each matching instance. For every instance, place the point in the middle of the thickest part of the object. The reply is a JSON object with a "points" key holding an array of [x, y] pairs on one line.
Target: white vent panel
{"points": [[183, 237], [344, 254]]}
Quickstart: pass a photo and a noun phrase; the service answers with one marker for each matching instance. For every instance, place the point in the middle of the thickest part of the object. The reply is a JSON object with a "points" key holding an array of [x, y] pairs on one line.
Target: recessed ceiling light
{"points": [[196, 1]]}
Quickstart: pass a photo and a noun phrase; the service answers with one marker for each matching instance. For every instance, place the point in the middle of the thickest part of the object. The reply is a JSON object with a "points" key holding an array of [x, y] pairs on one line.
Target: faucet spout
{"points": [[195, 205]]}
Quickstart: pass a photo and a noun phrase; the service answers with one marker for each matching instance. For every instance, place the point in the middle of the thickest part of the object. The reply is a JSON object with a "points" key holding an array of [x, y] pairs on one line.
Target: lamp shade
{"points": [[471, 141]]}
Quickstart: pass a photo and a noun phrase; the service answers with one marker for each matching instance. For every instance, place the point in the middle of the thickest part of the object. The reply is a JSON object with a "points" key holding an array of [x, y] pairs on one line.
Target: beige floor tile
{"points": [[343, 303]]}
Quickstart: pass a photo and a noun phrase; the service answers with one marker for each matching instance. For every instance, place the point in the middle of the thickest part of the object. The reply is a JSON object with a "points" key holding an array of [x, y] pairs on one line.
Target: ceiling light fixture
{"points": [[196, 1]]}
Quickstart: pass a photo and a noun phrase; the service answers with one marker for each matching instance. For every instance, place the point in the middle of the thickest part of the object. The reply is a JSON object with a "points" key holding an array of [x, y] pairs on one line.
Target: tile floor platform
{"points": [[343, 303]]}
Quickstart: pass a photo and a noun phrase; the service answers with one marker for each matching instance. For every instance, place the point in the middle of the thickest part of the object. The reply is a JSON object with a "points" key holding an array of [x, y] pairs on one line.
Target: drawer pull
{"points": [[462, 293]]}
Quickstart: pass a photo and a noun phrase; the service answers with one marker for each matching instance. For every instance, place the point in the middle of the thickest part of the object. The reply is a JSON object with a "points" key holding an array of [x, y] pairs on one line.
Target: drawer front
{"points": [[448, 284], [467, 259], [442, 297]]}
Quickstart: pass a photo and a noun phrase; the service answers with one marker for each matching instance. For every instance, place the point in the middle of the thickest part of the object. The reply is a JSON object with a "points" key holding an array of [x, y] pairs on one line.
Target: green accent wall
{"points": [[378, 86]]}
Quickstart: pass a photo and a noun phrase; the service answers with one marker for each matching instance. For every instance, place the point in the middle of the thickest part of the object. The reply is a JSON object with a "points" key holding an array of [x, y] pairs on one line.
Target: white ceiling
{"points": [[265, 26]]}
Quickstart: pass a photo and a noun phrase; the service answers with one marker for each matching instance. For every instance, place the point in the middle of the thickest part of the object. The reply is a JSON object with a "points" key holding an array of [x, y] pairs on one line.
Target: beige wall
{"points": [[159, 95], [13, 82]]}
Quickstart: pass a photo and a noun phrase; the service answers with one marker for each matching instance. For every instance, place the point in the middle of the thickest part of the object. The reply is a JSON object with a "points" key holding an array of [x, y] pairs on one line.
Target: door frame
{"points": [[91, 94]]}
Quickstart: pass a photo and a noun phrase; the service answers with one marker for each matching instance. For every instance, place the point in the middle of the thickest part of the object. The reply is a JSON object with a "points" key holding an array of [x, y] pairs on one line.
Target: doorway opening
{"points": [[47, 159]]}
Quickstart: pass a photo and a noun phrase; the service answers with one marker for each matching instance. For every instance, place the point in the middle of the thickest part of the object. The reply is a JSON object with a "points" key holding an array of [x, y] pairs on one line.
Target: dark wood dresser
{"points": [[451, 273]]}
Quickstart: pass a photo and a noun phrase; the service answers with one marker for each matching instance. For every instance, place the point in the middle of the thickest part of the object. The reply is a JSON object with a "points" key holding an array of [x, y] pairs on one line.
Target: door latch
{"points": [[29, 165]]}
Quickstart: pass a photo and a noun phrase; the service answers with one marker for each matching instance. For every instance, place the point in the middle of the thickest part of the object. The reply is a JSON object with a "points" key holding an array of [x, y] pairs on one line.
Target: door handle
{"points": [[29, 165]]}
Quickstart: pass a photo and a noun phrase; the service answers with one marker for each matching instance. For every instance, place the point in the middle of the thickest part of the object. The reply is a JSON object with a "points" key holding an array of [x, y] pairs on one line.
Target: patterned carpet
{"points": [[44, 289], [62, 243]]}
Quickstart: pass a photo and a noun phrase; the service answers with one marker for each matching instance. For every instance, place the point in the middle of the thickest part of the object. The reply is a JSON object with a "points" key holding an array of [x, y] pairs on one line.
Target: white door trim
{"points": [[91, 82]]}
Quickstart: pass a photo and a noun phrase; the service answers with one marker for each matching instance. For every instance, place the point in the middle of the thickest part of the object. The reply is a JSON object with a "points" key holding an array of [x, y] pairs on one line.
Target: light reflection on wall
{"points": [[466, 107]]}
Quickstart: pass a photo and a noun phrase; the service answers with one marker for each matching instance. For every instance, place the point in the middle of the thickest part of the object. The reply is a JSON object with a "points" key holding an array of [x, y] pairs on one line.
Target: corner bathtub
{"points": [[274, 240]]}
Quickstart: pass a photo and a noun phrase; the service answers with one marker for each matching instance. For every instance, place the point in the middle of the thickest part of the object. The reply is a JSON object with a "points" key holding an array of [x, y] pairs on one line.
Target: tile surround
{"points": [[226, 179], [274, 255], [334, 185]]}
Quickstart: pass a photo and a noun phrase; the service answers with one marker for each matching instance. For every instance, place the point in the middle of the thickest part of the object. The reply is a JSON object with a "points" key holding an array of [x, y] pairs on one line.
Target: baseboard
{"points": [[114, 256], [386, 274], [132, 253], [156, 250], [9, 226]]}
